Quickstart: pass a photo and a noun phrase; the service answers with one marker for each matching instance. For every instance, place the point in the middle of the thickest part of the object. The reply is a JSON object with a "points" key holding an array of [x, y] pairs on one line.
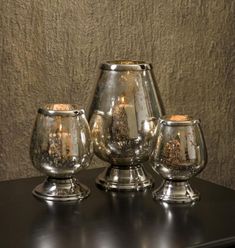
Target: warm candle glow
{"points": [[60, 107], [125, 112], [122, 100], [179, 118]]}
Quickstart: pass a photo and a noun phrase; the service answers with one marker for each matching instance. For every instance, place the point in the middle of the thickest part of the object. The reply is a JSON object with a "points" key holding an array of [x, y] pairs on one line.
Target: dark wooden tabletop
{"points": [[115, 220]]}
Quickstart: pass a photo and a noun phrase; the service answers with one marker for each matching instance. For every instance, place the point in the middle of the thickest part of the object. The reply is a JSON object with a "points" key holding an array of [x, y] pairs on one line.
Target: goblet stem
{"points": [[124, 178], [61, 190], [175, 192]]}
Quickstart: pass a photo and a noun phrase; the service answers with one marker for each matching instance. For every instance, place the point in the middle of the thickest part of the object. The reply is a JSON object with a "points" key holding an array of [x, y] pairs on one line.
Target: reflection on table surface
{"points": [[113, 220]]}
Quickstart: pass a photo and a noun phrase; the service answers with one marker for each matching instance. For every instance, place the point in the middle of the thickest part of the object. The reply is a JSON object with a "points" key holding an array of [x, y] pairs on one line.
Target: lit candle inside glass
{"points": [[60, 143], [66, 143], [131, 116]]}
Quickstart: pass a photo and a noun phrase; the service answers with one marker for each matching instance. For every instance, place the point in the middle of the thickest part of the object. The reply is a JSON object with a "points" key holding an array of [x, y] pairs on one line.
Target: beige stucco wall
{"points": [[50, 51]]}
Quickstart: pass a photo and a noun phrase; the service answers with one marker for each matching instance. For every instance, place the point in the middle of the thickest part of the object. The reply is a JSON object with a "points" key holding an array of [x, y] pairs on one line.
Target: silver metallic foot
{"points": [[175, 192], [126, 179], [61, 190]]}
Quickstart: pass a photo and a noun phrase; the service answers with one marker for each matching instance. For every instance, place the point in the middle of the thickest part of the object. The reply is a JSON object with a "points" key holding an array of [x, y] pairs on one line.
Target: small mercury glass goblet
{"points": [[60, 147], [179, 154]]}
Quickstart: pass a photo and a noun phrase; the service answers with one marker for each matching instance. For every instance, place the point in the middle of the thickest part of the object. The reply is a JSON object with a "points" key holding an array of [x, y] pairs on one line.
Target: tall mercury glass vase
{"points": [[123, 118]]}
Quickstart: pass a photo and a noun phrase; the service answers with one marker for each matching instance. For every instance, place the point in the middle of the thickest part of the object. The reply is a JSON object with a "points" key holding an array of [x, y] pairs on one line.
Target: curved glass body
{"points": [[180, 149], [61, 146], [61, 142], [124, 113], [123, 122], [179, 154]]}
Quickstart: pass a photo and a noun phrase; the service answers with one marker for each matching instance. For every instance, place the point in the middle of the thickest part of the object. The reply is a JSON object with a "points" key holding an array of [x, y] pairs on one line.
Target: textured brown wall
{"points": [[50, 51]]}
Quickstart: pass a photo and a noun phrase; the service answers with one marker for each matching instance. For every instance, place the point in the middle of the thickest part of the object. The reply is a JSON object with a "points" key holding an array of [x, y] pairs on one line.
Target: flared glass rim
{"points": [[51, 110], [178, 120], [125, 65]]}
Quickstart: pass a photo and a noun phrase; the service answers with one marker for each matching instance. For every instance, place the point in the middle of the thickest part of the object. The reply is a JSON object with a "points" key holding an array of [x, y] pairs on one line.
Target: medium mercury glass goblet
{"points": [[60, 147], [124, 116], [179, 154]]}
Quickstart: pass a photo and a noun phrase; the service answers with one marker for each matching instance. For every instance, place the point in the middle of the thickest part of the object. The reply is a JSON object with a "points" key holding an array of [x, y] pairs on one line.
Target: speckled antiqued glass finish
{"points": [[179, 154], [124, 113], [60, 147]]}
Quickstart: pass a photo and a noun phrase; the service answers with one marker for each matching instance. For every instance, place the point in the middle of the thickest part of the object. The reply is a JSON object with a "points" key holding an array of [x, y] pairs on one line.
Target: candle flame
{"points": [[122, 99], [60, 127]]}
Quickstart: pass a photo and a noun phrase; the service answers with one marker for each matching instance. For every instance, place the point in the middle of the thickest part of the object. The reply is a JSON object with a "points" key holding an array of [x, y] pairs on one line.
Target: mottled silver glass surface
{"points": [[124, 116], [179, 154], [60, 147]]}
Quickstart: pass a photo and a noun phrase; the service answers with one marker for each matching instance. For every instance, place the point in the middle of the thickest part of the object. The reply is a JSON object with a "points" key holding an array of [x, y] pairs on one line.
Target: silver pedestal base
{"points": [[176, 192], [124, 179], [61, 190]]}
